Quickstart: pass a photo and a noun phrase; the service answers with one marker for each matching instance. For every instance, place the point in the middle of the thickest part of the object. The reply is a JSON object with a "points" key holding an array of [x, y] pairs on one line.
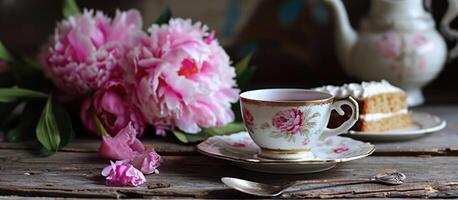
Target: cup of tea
{"points": [[287, 123]]}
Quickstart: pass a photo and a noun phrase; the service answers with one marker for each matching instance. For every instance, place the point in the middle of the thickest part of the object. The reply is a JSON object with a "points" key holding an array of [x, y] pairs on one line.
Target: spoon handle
{"points": [[302, 182], [340, 182]]}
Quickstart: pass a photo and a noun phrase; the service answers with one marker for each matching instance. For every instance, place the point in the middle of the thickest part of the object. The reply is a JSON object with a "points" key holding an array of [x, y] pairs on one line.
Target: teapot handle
{"points": [[449, 33]]}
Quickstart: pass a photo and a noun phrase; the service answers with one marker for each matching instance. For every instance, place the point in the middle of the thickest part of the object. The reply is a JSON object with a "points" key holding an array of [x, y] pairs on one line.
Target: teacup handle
{"points": [[344, 127]]}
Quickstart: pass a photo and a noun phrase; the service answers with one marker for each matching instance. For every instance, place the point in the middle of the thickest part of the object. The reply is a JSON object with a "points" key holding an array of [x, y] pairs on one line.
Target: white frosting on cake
{"points": [[380, 116], [363, 90]]}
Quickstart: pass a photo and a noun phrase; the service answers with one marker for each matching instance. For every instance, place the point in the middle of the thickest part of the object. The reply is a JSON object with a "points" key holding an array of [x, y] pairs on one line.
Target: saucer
{"points": [[241, 149], [423, 123]]}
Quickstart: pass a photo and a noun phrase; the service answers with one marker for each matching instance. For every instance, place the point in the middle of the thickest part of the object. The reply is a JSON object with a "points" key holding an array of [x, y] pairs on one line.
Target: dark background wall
{"points": [[293, 39]]}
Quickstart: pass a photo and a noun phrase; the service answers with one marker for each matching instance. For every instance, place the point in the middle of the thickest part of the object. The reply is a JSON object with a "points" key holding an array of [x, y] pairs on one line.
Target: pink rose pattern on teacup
{"points": [[291, 122], [248, 119]]}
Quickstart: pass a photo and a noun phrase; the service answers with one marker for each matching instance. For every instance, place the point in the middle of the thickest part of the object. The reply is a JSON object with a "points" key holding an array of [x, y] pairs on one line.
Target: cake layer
{"points": [[386, 124], [367, 122], [383, 103]]}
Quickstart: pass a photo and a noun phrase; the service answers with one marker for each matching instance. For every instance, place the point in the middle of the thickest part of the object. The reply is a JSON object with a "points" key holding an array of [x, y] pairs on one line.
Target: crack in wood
{"points": [[421, 190]]}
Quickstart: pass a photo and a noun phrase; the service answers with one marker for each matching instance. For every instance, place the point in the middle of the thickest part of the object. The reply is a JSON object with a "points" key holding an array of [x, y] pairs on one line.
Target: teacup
{"points": [[287, 123]]}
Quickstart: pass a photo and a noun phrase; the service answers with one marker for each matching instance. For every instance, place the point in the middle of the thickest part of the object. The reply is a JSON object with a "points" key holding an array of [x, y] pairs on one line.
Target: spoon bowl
{"points": [[253, 188]]}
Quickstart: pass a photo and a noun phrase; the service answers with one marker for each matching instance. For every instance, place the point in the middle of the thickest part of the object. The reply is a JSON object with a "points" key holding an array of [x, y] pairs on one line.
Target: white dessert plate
{"points": [[240, 149], [423, 124]]}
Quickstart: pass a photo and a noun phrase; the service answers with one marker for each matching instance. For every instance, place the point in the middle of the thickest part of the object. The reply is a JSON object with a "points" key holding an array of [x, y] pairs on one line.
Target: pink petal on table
{"points": [[124, 145], [148, 162], [121, 173]]}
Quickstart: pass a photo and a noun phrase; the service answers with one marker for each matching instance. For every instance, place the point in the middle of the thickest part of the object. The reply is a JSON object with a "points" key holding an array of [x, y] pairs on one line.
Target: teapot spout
{"points": [[345, 35]]}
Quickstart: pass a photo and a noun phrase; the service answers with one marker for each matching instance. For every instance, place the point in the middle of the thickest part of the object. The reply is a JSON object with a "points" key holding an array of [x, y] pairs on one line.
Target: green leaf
{"points": [[70, 8], [99, 126], [190, 138], [8, 95], [180, 136], [64, 124], [47, 129], [242, 66], [4, 54], [229, 128], [207, 132], [54, 129], [164, 17]]}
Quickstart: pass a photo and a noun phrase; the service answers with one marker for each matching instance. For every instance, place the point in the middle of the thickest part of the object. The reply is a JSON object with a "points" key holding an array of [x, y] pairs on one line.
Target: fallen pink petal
{"points": [[125, 145], [122, 173], [148, 162]]}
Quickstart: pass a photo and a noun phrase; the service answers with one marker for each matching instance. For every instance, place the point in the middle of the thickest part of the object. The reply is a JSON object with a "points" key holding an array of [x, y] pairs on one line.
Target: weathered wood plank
{"points": [[167, 145], [76, 174], [440, 143]]}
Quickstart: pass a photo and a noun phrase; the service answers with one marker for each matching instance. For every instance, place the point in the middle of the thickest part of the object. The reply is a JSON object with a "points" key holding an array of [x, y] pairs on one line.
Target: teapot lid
{"points": [[397, 14]]}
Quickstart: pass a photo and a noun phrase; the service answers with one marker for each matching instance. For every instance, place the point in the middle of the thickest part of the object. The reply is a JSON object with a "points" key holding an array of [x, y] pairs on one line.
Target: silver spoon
{"points": [[266, 190]]}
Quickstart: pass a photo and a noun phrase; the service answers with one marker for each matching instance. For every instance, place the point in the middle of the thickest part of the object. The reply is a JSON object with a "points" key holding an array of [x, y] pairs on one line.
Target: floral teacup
{"points": [[287, 123]]}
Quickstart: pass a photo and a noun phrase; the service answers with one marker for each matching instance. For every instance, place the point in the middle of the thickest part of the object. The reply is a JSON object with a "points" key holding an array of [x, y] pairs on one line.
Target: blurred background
{"points": [[293, 40]]}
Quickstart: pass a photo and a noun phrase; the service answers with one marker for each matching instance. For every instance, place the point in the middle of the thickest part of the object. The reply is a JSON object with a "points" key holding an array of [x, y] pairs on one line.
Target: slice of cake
{"points": [[382, 106]]}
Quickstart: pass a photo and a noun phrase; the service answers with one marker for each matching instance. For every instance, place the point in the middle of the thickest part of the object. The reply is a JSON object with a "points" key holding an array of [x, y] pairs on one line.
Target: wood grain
{"points": [[76, 174]]}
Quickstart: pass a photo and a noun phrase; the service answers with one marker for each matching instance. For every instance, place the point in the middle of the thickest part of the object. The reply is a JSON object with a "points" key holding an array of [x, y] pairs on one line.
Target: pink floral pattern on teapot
{"points": [[404, 50]]}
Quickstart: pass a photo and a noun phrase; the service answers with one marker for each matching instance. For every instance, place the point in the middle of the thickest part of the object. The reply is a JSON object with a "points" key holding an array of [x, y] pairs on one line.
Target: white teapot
{"points": [[397, 42]]}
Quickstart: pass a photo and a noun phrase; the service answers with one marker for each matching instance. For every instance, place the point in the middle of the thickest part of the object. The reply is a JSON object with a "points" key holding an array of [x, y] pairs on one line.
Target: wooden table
{"points": [[430, 163]]}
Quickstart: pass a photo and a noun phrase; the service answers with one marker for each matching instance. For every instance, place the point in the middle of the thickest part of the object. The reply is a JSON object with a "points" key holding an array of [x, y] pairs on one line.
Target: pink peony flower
{"points": [[183, 77], [289, 121], [124, 145], [113, 105], [148, 162], [85, 50], [121, 173]]}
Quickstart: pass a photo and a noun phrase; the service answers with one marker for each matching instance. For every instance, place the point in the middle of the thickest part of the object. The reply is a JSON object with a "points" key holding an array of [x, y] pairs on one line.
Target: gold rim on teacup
{"points": [[327, 100], [283, 154], [285, 151]]}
